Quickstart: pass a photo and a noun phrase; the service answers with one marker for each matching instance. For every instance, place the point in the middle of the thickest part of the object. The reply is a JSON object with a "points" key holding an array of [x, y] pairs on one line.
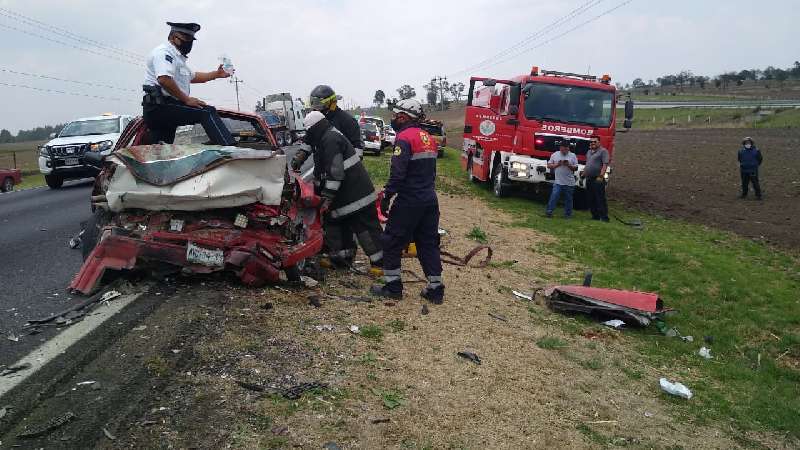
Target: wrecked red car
{"points": [[199, 208]]}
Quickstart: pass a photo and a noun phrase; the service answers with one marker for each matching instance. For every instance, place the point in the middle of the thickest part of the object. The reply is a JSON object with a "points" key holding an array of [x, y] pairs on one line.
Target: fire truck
{"points": [[511, 127]]}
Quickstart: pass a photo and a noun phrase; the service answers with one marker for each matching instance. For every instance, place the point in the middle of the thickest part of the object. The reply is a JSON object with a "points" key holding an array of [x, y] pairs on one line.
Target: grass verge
{"points": [[742, 295]]}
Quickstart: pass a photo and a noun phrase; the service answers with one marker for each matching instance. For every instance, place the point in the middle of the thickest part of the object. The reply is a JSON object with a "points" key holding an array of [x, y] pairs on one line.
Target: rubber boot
{"points": [[433, 295], [393, 290]]}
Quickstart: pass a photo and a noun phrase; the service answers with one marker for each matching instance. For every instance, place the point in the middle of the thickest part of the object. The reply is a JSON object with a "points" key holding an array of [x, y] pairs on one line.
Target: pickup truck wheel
{"points": [[91, 231], [8, 185], [500, 184], [54, 181]]}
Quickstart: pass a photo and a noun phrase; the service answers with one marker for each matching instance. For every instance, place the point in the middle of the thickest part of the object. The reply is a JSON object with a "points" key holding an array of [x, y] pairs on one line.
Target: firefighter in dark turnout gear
{"points": [[347, 192], [324, 100], [414, 213]]}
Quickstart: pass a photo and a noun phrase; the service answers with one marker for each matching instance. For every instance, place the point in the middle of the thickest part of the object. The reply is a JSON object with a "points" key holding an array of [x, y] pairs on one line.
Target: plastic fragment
{"points": [[616, 323], [675, 388], [705, 352], [522, 295]]}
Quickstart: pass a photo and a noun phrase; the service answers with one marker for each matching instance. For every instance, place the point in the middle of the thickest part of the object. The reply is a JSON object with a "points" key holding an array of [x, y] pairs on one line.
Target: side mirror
{"points": [[52, 135]]}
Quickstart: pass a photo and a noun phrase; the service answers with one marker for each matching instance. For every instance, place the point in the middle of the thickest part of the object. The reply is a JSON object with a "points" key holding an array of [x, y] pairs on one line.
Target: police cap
{"points": [[188, 29]]}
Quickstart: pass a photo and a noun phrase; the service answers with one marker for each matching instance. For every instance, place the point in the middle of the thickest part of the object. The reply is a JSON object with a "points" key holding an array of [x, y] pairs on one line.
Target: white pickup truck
{"points": [[62, 158]]}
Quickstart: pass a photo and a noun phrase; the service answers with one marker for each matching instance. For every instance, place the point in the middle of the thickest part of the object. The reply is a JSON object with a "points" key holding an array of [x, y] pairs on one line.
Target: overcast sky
{"points": [[360, 46]]}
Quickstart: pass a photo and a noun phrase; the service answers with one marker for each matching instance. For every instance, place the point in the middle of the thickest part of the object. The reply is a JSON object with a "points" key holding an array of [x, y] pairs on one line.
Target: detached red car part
{"points": [[642, 307], [254, 241]]}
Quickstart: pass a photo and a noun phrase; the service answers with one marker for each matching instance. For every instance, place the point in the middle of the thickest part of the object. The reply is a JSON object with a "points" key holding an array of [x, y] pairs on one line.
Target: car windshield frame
{"points": [[90, 127], [560, 104], [366, 127]]}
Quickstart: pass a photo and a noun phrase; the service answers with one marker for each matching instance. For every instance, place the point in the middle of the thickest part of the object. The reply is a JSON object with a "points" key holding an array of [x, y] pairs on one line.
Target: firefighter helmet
{"points": [[409, 106], [322, 96]]}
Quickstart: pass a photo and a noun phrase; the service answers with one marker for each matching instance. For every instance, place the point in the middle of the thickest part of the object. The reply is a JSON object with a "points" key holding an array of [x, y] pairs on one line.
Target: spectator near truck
{"points": [[511, 127], [63, 157]]}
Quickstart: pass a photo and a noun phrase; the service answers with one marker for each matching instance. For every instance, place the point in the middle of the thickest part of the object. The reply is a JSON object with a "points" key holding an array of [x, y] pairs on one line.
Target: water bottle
{"points": [[227, 64]]}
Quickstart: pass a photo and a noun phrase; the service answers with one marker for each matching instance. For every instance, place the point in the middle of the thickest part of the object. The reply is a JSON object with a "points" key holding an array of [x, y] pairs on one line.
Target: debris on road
{"points": [[139, 328], [498, 317], [325, 327], [108, 434], [425, 310], [705, 352], [14, 369], [85, 383], [470, 356], [75, 241], [3, 411], [641, 307], [110, 295], [12, 337], [615, 323], [48, 426], [523, 296], [675, 388], [380, 420], [309, 282], [354, 329]]}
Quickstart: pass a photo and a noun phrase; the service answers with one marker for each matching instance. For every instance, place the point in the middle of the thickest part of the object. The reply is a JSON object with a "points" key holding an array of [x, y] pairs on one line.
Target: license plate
{"points": [[205, 256], [71, 162]]}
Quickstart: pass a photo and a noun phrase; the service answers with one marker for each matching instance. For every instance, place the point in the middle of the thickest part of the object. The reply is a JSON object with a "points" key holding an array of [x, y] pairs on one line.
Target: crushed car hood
{"points": [[194, 177]]}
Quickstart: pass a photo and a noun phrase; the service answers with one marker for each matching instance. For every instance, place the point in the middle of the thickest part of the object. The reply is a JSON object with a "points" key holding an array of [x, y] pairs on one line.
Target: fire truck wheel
{"points": [[500, 183], [91, 231]]}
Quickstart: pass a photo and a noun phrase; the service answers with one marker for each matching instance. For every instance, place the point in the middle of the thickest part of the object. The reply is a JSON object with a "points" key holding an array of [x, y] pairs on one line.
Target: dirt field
{"points": [[693, 175]]}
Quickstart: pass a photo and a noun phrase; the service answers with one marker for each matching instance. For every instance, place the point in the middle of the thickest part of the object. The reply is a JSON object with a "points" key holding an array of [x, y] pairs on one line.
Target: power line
{"points": [[71, 45], [54, 91], [582, 24], [66, 33], [47, 77], [532, 37]]}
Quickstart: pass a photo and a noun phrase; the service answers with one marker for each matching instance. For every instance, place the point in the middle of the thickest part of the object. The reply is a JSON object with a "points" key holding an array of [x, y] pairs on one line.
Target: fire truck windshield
{"points": [[569, 104]]}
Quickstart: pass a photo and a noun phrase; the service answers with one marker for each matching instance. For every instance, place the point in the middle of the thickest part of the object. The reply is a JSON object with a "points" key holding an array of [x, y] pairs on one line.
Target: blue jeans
{"points": [[558, 189]]}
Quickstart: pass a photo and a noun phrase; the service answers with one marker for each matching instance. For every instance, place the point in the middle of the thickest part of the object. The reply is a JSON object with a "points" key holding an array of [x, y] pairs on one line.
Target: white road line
{"points": [[61, 342]]}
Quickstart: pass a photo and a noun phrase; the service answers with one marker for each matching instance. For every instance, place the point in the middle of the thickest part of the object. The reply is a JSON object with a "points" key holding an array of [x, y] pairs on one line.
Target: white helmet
{"points": [[312, 119], [408, 106]]}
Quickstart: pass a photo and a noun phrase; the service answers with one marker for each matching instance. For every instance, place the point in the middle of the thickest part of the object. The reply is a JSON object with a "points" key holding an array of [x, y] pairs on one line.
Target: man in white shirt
{"points": [[167, 103], [563, 163]]}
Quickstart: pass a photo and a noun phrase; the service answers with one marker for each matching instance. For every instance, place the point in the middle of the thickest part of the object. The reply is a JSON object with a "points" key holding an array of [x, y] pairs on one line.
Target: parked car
{"points": [[436, 129], [371, 137], [63, 157], [378, 123], [389, 135], [197, 208], [9, 178]]}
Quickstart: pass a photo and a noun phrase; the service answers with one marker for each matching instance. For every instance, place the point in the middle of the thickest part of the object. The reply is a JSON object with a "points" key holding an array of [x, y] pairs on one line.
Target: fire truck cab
{"points": [[511, 127]]}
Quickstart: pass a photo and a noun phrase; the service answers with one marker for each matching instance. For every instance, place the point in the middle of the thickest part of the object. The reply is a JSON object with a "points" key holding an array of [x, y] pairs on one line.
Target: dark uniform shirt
{"points": [[413, 172], [347, 124]]}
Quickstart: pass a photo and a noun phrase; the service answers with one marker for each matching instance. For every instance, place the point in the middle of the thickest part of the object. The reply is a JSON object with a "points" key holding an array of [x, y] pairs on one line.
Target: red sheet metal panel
{"points": [[643, 301]]}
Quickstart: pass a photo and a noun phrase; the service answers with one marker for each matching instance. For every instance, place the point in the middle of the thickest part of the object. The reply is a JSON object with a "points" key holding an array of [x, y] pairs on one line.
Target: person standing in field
{"points": [[749, 162], [597, 160], [563, 163]]}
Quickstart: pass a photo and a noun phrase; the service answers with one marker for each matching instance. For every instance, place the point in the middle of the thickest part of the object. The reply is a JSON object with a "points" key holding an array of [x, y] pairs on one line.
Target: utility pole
{"points": [[235, 80]]}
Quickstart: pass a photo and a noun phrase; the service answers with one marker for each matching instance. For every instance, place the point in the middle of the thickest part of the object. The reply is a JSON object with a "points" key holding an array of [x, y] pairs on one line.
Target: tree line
{"points": [[34, 134], [438, 91], [686, 78]]}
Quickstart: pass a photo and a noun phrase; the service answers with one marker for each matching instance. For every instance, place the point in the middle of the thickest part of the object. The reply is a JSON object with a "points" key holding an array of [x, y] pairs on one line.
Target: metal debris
{"points": [[522, 296], [12, 337], [470, 356], [616, 323], [110, 295], [108, 434], [76, 241], [85, 383], [14, 369], [48, 426], [498, 317]]}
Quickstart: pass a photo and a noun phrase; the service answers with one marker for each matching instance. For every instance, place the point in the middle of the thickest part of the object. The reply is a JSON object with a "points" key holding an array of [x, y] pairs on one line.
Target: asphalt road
{"points": [[36, 264]]}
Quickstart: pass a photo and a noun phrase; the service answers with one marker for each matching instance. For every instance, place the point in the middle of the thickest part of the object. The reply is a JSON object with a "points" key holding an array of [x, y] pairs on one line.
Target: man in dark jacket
{"points": [[749, 161], [414, 214], [347, 192], [324, 100]]}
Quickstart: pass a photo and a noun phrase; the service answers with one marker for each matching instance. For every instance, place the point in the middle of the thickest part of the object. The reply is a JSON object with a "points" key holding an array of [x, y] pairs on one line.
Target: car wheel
{"points": [[8, 185], [54, 181], [91, 231], [500, 185]]}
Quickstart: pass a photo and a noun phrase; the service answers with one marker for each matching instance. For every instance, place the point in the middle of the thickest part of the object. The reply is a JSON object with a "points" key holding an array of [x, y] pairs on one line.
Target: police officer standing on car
{"points": [[167, 103], [347, 192], [414, 213]]}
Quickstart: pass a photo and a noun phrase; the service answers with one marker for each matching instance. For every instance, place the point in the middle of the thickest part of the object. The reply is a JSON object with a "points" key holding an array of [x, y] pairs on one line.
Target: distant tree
{"points": [[406, 91], [6, 137], [650, 83], [380, 96], [638, 83], [457, 90], [795, 70], [431, 91]]}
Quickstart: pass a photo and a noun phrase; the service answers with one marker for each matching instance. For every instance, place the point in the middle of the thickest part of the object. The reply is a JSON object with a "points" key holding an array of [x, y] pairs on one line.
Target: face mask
{"points": [[748, 146], [396, 123], [184, 47]]}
